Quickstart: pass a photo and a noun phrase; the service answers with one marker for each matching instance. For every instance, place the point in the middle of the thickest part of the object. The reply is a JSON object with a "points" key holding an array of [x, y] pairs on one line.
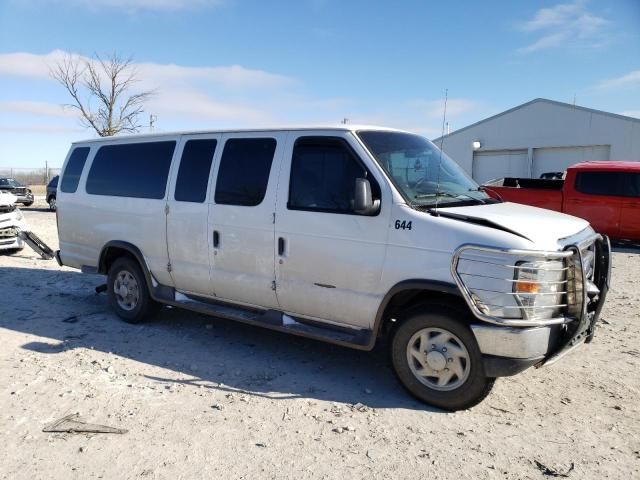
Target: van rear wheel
{"points": [[437, 359], [128, 291]]}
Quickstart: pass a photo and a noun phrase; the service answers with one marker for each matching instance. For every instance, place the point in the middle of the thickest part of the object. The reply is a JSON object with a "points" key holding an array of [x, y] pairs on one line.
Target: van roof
{"points": [[341, 127]]}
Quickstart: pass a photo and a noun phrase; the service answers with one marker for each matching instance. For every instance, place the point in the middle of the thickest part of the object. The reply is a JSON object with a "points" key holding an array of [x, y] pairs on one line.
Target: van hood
{"points": [[539, 225]]}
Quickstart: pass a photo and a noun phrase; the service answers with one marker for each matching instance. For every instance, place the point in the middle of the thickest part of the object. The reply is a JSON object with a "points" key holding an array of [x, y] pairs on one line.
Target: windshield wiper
{"points": [[449, 195]]}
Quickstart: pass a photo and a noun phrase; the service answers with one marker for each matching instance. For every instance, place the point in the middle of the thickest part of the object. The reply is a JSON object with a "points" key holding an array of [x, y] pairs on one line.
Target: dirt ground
{"points": [[205, 398]]}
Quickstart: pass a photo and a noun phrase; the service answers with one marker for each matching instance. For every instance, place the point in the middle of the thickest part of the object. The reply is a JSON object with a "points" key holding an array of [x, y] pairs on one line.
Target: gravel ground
{"points": [[205, 398]]}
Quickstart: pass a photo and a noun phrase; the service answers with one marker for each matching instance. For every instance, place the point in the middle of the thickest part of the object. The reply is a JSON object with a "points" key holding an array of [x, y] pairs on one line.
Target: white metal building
{"points": [[541, 136]]}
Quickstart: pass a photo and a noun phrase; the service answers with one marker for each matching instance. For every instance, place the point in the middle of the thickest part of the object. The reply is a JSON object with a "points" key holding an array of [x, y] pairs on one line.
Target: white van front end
{"points": [[533, 280]]}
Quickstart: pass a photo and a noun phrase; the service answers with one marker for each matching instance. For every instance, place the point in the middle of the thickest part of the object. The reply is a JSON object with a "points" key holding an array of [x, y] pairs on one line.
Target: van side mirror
{"points": [[363, 203]]}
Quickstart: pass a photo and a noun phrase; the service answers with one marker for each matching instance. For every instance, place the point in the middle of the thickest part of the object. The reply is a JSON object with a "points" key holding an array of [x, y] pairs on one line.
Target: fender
{"points": [[434, 286]]}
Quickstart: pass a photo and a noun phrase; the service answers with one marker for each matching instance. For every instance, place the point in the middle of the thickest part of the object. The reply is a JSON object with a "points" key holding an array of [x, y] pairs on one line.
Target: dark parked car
{"points": [[24, 194], [51, 193]]}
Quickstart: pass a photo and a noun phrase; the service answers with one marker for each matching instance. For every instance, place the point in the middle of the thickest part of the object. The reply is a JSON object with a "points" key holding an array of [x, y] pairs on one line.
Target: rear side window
{"points": [[620, 184], [73, 170], [138, 170], [631, 185], [244, 171], [323, 176], [195, 166]]}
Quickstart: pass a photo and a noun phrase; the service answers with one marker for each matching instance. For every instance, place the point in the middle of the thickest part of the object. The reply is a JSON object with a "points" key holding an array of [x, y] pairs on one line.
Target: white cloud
{"points": [[46, 129], [30, 65], [628, 80], [565, 25], [200, 106], [233, 96], [631, 113], [234, 76], [37, 108], [22, 64]]}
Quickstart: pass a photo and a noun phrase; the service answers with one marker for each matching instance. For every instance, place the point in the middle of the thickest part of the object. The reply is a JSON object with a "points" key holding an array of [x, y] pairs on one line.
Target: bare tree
{"points": [[107, 84]]}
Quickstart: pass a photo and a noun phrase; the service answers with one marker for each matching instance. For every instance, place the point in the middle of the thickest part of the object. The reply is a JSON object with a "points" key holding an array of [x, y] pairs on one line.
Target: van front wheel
{"points": [[437, 359], [128, 292]]}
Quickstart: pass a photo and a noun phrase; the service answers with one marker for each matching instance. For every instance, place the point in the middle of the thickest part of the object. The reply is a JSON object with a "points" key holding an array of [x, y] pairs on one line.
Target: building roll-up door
{"points": [[557, 159], [494, 164]]}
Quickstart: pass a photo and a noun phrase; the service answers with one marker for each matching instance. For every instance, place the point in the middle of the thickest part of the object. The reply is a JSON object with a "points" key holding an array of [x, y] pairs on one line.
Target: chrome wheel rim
{"points": [[126, 291], [438, 359]]}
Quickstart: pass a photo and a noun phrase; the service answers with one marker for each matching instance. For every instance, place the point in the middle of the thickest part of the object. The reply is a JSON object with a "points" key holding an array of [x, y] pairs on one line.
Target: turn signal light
{"points": [[527, 287]]}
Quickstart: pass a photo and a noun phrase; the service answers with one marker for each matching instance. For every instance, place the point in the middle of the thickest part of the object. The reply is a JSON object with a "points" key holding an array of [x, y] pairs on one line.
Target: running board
{"points": [[274, 320], [36, 244]]}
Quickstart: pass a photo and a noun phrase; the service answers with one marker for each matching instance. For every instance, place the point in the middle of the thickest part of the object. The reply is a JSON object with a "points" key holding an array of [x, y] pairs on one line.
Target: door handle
{"points": [[216, 239], [281, 246]]}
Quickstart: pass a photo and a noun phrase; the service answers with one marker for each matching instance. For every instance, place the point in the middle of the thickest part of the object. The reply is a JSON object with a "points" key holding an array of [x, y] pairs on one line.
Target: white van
{"points": [[346, 234]]}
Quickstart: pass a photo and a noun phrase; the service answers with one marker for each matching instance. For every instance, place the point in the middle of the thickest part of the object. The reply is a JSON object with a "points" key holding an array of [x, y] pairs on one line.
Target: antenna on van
{"points": [[444, 120]]}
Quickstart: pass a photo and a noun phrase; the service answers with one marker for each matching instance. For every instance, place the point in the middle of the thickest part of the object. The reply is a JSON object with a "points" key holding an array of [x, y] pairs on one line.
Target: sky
{"points": [[250, 63]]}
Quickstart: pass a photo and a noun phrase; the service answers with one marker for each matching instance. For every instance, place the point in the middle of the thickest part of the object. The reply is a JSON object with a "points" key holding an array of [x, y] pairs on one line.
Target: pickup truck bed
{"points": [[606, 194], [529, 191]]}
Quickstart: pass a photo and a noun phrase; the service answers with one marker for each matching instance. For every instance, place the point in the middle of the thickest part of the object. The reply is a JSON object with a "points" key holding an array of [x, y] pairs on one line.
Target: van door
{"points": [[241, 218], [329, 259], [188, 212]]}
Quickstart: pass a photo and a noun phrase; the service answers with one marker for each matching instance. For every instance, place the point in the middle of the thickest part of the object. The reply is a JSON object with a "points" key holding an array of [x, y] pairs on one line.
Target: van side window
{"points": [[138, 170], [73, 170], [244, 171], [323, 175], [195, 166]]}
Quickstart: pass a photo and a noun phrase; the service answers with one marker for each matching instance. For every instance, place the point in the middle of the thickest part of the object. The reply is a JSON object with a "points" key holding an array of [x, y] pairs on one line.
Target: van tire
{"points": [[434, 322], [128, 291]]}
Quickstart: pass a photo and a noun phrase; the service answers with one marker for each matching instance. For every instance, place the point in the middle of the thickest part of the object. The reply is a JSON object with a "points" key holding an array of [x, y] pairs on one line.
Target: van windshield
{"points": [[412, 162]]}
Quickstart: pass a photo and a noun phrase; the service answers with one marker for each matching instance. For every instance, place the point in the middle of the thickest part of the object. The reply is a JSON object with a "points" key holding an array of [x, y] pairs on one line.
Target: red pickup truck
{"points": [[606, 194]]}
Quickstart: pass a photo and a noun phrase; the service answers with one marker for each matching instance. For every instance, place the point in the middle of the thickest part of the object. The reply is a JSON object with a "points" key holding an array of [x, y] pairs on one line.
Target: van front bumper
{"points": [[508, 350]]}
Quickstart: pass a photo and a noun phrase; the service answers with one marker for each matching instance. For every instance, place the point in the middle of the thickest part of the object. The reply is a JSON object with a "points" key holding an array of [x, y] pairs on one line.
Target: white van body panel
{"points": [[332, 263], [188, 234], [426, 250], [87, 222], [242, 266]]}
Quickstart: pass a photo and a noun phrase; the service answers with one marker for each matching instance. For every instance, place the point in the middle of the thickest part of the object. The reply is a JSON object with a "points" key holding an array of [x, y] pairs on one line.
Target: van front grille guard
{"points": [[570, 289]]}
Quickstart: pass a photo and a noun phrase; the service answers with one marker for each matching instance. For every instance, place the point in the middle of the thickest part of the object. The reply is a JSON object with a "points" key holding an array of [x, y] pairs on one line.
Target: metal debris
{"points": [[552, 472], [73, 424]]}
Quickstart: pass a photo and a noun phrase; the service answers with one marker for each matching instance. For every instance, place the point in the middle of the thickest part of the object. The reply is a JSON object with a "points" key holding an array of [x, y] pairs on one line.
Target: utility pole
{"points": [[152, 121]]}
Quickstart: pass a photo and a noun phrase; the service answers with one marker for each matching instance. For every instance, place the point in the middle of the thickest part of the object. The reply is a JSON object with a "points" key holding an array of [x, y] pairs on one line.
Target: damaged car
{"points": [[11, 224], [23, 194]]}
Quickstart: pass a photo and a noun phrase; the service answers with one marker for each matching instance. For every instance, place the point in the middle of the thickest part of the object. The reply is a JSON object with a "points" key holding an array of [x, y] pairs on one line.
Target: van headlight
{"points": [[539, 288], [513, 287]]}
